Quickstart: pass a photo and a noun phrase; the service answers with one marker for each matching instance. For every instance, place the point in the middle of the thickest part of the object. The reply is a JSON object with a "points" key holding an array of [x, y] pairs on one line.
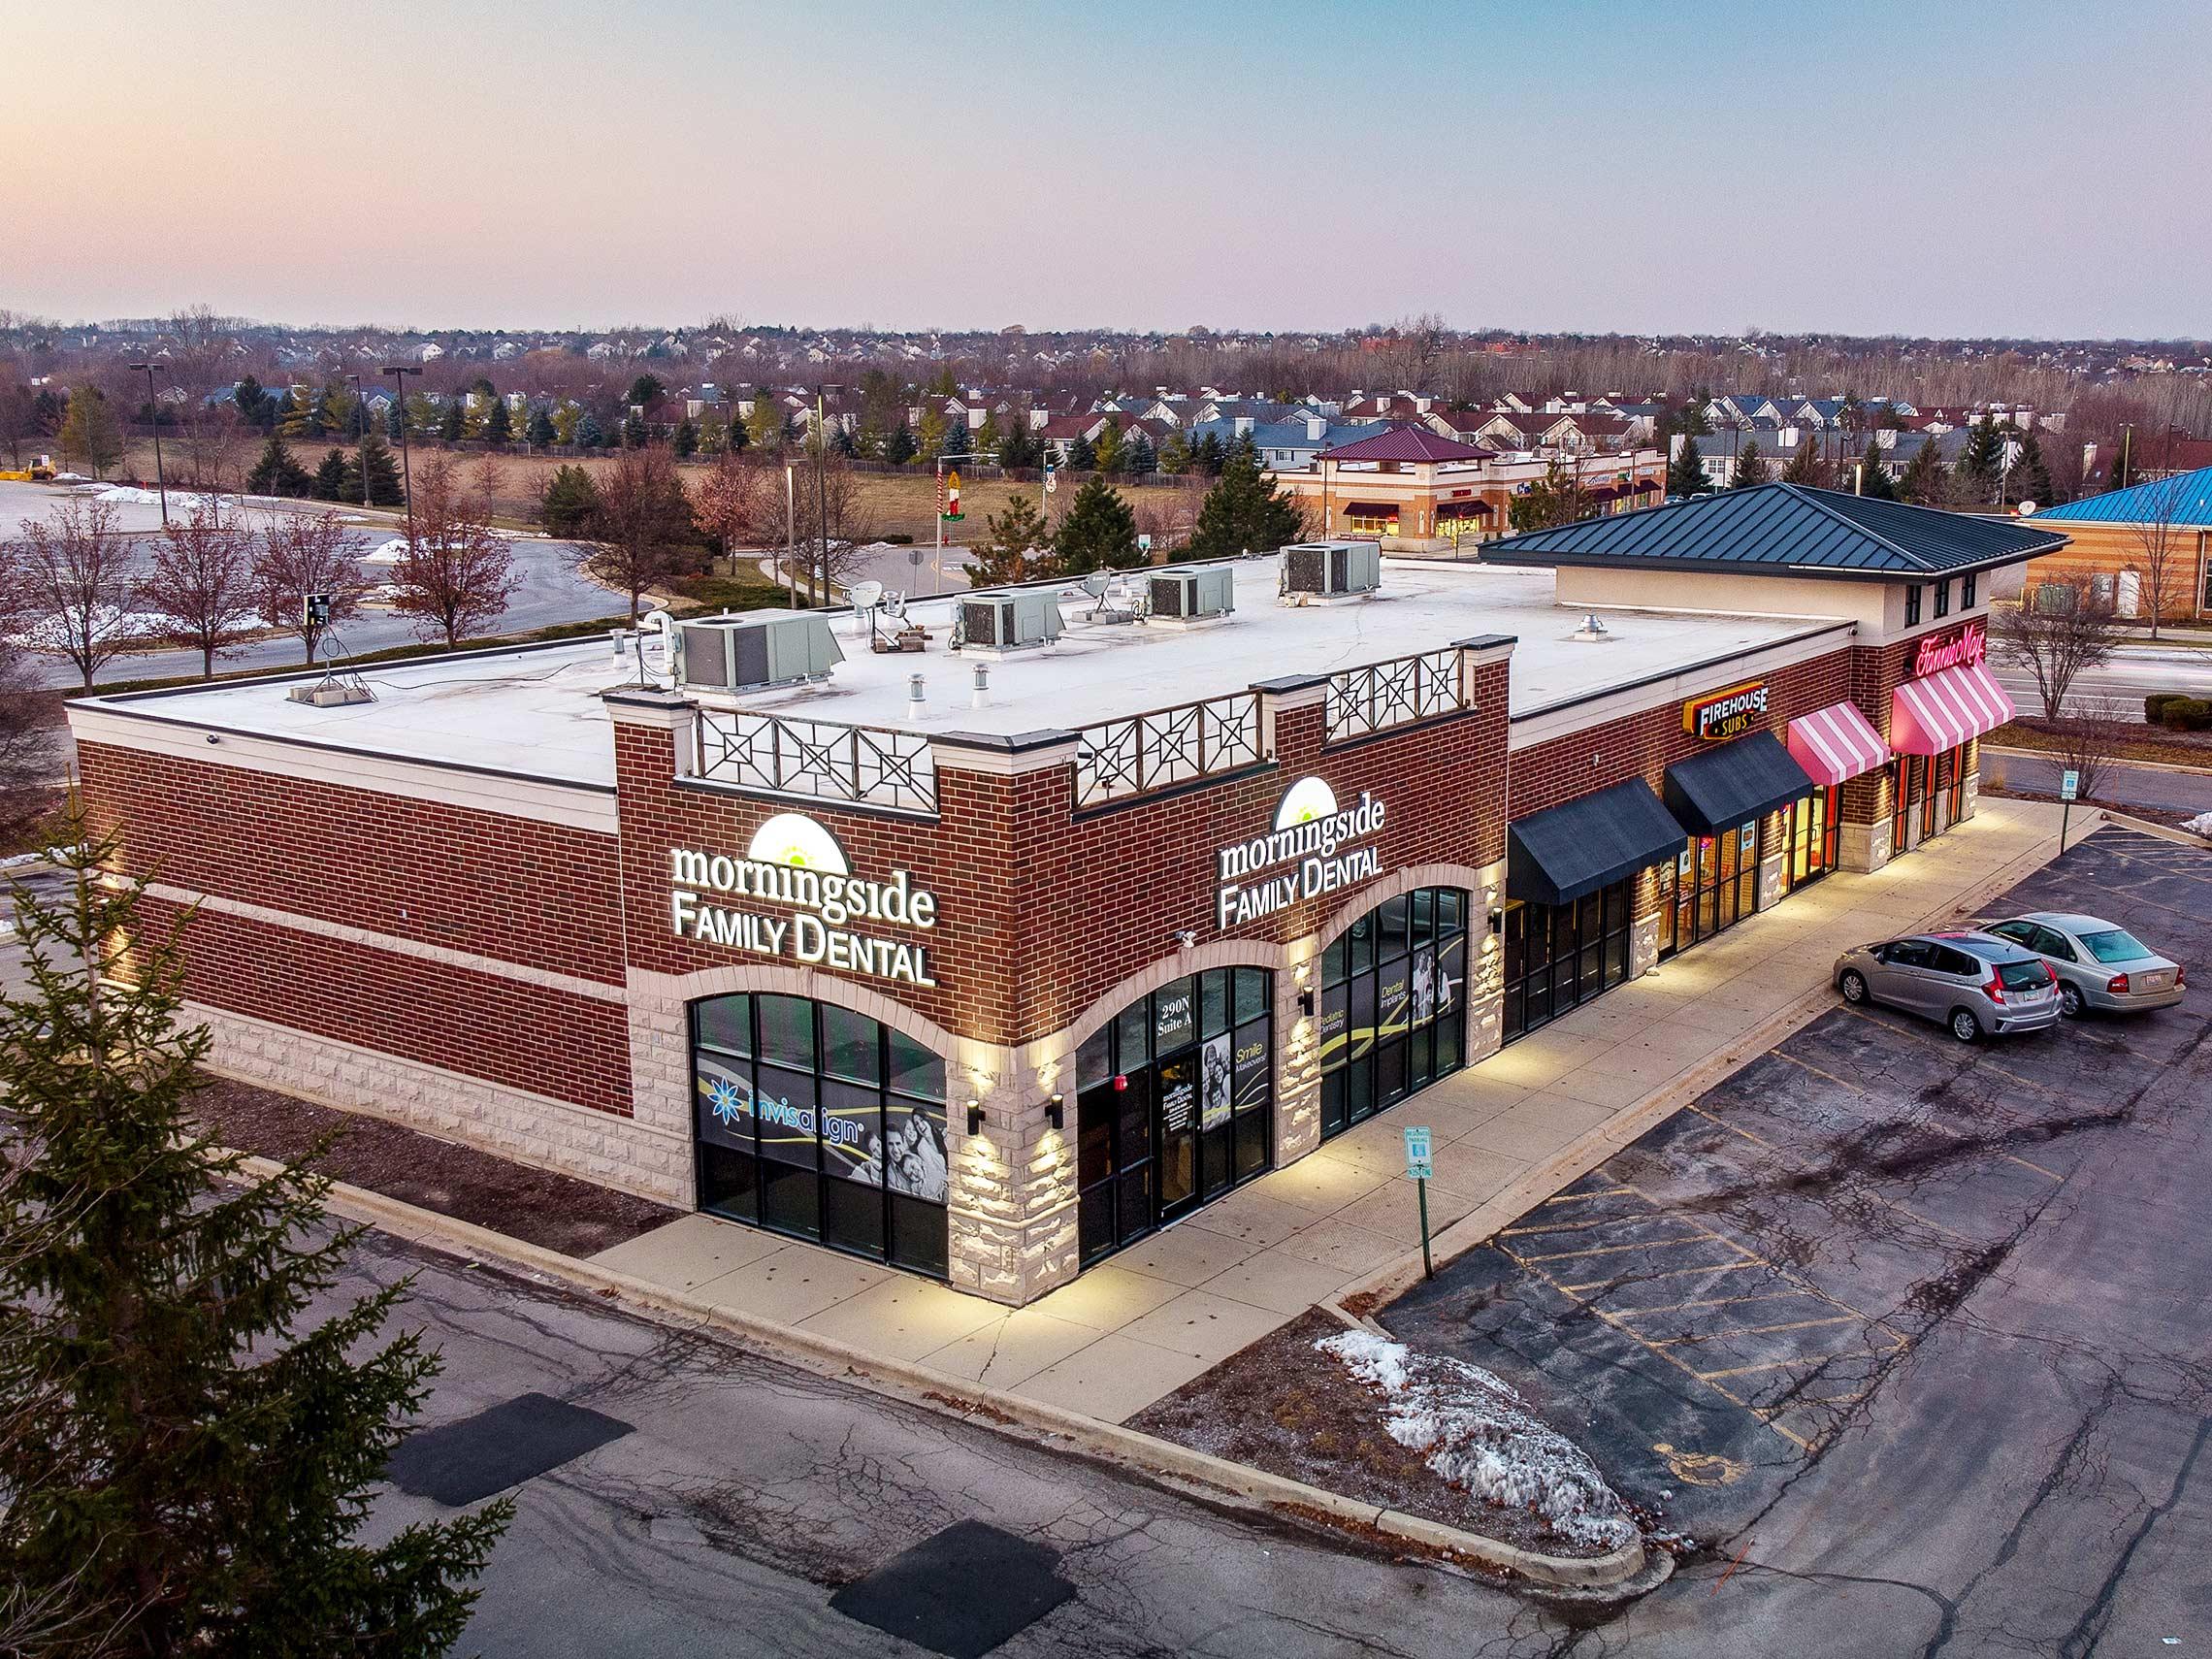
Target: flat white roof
{"points": [[537, 711]]}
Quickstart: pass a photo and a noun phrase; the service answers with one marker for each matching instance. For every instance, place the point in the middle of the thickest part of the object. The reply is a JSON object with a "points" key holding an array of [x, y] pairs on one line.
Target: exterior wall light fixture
{"points": [[1306, 1000], [1056, 1112], [974, 1115]]}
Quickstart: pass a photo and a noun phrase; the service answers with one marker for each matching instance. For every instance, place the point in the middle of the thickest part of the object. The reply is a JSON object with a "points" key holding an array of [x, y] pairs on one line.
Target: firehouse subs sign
{"points": [[1726, 714], [801, 902], [1309, 852]]}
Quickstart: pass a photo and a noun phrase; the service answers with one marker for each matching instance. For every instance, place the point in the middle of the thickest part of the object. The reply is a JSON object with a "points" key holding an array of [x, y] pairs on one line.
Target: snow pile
{"points": [[388, 553], [1472, 1428], [2200, 825], [54, 632]]}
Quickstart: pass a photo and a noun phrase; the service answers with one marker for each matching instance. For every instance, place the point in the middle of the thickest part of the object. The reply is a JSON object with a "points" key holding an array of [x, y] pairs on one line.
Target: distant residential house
{"points": [[1286, 445], [2118, 534]]}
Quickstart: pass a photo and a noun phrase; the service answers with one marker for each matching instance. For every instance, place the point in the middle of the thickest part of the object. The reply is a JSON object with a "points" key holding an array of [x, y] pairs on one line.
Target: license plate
{"points": [[2159, 981]]}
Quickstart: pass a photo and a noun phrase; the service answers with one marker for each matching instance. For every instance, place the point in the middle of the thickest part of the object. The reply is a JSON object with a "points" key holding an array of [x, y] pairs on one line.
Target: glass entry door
{"points": [[1716, 883]]}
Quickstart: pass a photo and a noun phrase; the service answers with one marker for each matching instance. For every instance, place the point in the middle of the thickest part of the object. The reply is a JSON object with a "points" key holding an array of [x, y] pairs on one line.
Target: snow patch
{"points": [[2200, 825], [1475, 1432]]}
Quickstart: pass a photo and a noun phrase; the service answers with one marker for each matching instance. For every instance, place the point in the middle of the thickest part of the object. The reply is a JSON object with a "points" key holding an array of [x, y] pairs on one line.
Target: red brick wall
{"points": [[1645, 746], [1876, 672], [542, 894], [1040, 909], [549, 1042]]}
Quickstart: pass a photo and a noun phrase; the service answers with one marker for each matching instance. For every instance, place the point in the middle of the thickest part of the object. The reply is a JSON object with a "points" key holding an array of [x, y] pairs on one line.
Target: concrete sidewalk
{"points": [[1157, 1315]]}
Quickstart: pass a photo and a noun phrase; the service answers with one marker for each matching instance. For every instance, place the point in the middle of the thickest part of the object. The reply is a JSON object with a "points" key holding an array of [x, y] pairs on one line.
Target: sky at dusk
{"points": [[1961, 168]]}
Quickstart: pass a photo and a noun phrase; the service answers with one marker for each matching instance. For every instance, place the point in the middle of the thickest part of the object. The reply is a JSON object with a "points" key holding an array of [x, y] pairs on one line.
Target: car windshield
{"points": [[2023, 976], [2117, 945]]}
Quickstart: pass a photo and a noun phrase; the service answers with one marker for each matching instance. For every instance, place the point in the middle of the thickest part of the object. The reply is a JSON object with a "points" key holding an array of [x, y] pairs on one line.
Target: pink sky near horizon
{"points": [[1313, 166]]}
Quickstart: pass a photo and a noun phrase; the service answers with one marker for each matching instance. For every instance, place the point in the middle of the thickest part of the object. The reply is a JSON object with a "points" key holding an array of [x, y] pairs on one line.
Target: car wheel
{"points": [[1964, 1025], [2071, 1003], [1854, 987]]}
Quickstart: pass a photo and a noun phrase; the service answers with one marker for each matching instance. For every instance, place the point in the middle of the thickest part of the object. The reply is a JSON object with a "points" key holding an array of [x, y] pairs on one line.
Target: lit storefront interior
{"points": [[1391, 994], [1569, 883], [1723, 797], [1174, 1104], [823, 1123]]}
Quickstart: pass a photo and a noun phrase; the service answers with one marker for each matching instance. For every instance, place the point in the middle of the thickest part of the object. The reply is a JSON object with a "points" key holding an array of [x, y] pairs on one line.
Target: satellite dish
{"points": [[866, 595], [2026, 510], [1096, 582]]}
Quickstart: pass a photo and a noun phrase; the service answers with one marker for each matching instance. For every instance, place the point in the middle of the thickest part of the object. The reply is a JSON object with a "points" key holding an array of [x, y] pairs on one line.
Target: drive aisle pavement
{"points": [[1526, 1120]]}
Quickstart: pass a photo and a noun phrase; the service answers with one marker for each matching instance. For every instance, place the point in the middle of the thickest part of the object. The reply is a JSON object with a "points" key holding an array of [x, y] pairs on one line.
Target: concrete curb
{"points": [[2056, 760], [918, 1384], [1579, 1156]]}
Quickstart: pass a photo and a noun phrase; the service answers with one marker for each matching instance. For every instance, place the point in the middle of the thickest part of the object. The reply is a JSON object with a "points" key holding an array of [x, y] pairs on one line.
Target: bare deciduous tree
{"points": [[2158, 545], [833, 534], [72, 583], [640, 525], [203, 579], [2059, 630], [300, 554], [209, 448], [458, 572], [2089, 741]]}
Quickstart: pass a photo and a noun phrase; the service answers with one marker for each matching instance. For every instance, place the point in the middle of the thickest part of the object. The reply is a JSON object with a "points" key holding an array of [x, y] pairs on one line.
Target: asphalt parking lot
{"points": [[1882, 1318]]}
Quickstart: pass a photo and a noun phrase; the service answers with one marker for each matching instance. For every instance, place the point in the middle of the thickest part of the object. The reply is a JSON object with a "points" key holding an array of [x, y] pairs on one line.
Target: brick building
{"points": [[989, 958]]}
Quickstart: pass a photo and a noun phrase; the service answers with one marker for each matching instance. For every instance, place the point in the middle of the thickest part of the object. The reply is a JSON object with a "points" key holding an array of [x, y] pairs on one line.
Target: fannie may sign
{"points": [[811, 908], [1309, 852]]}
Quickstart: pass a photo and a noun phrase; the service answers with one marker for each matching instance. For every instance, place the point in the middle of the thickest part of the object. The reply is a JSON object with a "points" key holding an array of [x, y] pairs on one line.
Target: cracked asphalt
{"points": [[1916, 1340]]}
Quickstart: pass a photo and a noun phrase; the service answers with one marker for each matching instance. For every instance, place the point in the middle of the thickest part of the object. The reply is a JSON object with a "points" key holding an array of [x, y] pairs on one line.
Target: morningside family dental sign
{"points": [[802, 903], [1311, 851]]}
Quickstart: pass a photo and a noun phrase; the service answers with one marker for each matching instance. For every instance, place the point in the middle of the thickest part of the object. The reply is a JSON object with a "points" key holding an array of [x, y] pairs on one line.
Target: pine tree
{"points": [[635, 435], [1210, 455], [1922, 481], [332, 479], [542, 434], [395, 421], [1018, 450], [1557, 498], [1873, 476], [255, 407], [1243, 513], [2031, 474], [375, 462], [1175, 455], [453, 422], [1099, 532], [1015, 545], [1082, 456], [277, 473], [1804, 466], [499, 423], [588, 433], [292, 414], [1750, 470], [740, 435], [193, 1424], [899, 447], [685, 443], [570, 500], [957, 439], [1685, 472], [1984, 459], [1136, 458]]}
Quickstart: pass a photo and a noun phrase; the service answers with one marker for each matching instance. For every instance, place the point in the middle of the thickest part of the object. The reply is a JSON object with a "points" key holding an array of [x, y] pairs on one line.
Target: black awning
{"points": [[1556, 856], [1735, 781]]}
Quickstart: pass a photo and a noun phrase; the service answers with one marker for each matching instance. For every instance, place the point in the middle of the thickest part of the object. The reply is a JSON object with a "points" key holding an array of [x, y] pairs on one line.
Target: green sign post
{"points": [[1418, 1168]]}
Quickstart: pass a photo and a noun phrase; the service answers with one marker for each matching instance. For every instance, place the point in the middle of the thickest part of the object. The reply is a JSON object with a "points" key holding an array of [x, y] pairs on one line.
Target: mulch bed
{"points": [[557, 1212], [2157, 744], [1280, 1405]]}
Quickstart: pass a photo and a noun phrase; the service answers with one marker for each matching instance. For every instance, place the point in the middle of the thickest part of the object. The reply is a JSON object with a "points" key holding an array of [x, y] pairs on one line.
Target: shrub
{"points": [[2188, 714], [2155, 705]]}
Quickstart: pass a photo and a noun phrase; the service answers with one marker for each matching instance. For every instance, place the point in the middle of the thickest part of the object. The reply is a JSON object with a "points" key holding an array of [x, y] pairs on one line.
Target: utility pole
{"points": [[160, 481], [399, 372], [791, 523], [361, 437]]}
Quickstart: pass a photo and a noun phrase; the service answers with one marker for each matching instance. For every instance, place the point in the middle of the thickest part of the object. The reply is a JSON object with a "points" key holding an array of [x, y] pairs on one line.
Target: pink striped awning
{"points": [[1941, 710], [1835, 744]]}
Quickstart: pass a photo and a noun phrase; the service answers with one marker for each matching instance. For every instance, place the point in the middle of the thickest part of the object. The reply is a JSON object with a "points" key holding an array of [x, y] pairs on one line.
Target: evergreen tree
{"points": [[1804, 466], [1242, 513], [255, 407], [2123, 470], [957, 439], [376, 461], [1018, 450], [899, 448], [1109, 447], [1082, 457], [1984, 459], [277, 473], [332, 479], [740, 435], [542, 434], [841, 443], [1175, 455], [635, 435], [588, 433], [1210, 455], [1750, 470], [1873, 476], [499, 424], [645, 391], [570, 500], [336, 411], [452, 422], [2031, 474], [1922, 481], [1015, 545], [193, 1424], [988, 440], [1685, 472], [395, 421], [685, 443], [1136, 458], [1555, 499], [1099, 532]]}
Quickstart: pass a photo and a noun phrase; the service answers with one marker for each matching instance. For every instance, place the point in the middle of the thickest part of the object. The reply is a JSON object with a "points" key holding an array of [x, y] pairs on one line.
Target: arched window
{"points": [[821, 1122]]}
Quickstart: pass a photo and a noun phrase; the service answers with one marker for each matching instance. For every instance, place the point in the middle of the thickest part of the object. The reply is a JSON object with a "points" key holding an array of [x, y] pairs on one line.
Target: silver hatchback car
{"points": [[2099, 964], [1974, 985]]}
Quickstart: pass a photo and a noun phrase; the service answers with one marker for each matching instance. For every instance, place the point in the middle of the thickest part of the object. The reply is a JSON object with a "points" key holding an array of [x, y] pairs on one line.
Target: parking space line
{"points": [[1722, 1302], [1578, 1198], [1814, 1360], [1754, 1330], [1699, 1237], [1646, 1277], [1578, 1226]]}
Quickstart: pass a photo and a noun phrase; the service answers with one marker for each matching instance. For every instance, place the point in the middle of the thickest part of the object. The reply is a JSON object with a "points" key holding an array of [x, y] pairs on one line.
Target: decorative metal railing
{"points": [[819, 759], [1383, 694], [1145, 752]]}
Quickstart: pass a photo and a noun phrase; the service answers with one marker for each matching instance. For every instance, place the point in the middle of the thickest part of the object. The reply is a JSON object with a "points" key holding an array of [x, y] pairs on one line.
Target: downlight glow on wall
{"points": [[798, 900], [1309, 852]]}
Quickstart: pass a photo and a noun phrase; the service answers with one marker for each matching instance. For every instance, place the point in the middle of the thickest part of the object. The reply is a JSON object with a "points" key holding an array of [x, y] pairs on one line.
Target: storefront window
{"points": [[1391, 1019], [1716, 885], [821, 1122], [1808, 837], [1560, 956], [1174, 1104]]}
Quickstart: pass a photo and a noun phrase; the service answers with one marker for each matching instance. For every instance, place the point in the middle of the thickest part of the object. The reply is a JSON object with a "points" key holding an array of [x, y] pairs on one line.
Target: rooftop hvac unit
{"points": [[1330, 570], [745, 653], [1008, 622], [1193, 596]]}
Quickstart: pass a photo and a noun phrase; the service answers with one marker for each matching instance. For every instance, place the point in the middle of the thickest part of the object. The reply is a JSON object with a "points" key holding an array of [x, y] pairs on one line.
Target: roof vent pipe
{"points": [[916, 704], [980, 696]]}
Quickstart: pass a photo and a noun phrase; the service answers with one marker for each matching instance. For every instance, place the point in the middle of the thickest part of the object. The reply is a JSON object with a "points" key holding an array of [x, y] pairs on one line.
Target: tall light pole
{"points": [[822, 483], [361, 437], [160, 481], [399, 372]]}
